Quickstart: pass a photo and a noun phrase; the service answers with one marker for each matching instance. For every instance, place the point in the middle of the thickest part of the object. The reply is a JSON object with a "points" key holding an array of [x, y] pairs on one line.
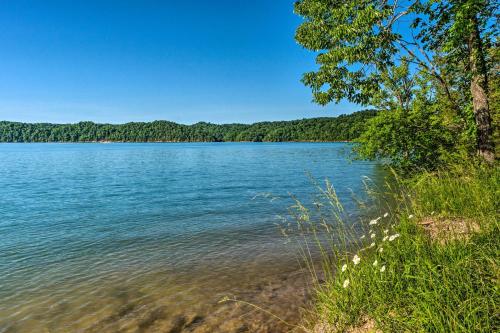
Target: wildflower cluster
{"points": [[402, 280], [372, 236]]}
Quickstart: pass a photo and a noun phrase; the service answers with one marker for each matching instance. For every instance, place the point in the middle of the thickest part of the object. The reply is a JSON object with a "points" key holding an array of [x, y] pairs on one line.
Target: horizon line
{"points": [[185, 124]]}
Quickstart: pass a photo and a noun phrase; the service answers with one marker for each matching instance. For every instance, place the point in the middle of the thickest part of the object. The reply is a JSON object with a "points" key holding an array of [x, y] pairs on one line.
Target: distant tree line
{"points": [[341, 128]]}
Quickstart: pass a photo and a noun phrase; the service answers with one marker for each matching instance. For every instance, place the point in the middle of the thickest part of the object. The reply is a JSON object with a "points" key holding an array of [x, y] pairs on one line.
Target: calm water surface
{"points": [[88, 229]]}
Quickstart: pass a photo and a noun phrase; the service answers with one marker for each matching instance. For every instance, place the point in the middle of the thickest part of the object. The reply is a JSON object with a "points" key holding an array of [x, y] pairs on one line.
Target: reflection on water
{"points": [[149, 237]]}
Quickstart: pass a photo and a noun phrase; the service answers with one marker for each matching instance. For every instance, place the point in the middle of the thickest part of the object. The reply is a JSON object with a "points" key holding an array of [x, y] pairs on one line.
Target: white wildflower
{"points": [[386, 214], [356, 259], [393, 237], [386, 231], [385, 238], [346, 283], [362, 237], [382, 269], [344, 267], [381, 250], [372, 236], [372, 244], [375, 221], [375, 263], [410, 216], [224, 299]]}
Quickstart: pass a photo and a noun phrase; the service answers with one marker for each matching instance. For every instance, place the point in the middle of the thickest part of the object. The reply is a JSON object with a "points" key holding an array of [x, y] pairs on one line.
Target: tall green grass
{"points": [[467, 190], [391, 272]]}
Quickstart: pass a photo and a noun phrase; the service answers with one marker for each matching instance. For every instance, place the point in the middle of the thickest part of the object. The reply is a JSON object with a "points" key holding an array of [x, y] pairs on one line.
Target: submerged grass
{"points": [[390, 271]]}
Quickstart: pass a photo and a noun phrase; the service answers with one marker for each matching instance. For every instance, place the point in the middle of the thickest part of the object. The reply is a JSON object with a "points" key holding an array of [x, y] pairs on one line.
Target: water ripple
{"points": [[98, 238]]}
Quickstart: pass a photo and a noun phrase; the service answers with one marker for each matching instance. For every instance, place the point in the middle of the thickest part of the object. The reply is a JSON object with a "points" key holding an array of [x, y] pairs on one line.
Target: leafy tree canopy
{"points": [[425, 60]]}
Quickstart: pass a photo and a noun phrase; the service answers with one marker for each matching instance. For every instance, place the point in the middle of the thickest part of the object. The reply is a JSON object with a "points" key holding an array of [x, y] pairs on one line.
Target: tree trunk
{"points": [[479, 91]]}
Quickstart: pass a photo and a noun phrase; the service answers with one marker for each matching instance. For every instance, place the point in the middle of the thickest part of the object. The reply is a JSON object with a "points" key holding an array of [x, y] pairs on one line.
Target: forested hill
{"points": [[341, 128]]}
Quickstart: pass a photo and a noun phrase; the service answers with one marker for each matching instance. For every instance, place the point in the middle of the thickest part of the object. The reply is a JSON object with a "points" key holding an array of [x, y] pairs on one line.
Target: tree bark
{"points": [[479, 92]]}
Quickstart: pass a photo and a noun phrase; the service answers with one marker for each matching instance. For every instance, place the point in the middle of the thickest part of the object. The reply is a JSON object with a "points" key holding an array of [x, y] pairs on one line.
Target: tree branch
{"points": [[430, 69]]}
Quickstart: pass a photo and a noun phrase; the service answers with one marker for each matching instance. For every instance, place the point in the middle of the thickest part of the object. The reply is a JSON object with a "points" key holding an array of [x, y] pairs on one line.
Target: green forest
{"points": [[341, 128]]}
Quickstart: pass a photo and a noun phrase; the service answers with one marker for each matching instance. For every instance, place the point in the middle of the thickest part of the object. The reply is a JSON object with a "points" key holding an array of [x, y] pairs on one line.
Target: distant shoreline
{"points": [[344, 128], [140, 142]]}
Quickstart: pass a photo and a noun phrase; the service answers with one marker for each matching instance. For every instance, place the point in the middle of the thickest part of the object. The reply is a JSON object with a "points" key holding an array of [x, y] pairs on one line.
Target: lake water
{"points": [[129, 237]]}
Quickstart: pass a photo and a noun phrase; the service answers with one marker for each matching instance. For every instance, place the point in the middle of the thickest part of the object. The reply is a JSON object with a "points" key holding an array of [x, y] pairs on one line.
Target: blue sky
{"points": [[185, 61]]}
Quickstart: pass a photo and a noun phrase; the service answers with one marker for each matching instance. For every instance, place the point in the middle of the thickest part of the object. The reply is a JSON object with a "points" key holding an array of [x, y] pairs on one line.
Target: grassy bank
{"points": [[428, 264]]}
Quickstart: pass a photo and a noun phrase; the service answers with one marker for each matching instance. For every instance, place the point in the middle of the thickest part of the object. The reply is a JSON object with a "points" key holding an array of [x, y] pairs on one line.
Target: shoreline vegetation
{"points": [[344, 128], [429, 262]]}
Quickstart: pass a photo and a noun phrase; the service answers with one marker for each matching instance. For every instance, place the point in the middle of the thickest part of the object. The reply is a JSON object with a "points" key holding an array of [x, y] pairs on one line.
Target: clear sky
{"points": [[186, 61]]}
